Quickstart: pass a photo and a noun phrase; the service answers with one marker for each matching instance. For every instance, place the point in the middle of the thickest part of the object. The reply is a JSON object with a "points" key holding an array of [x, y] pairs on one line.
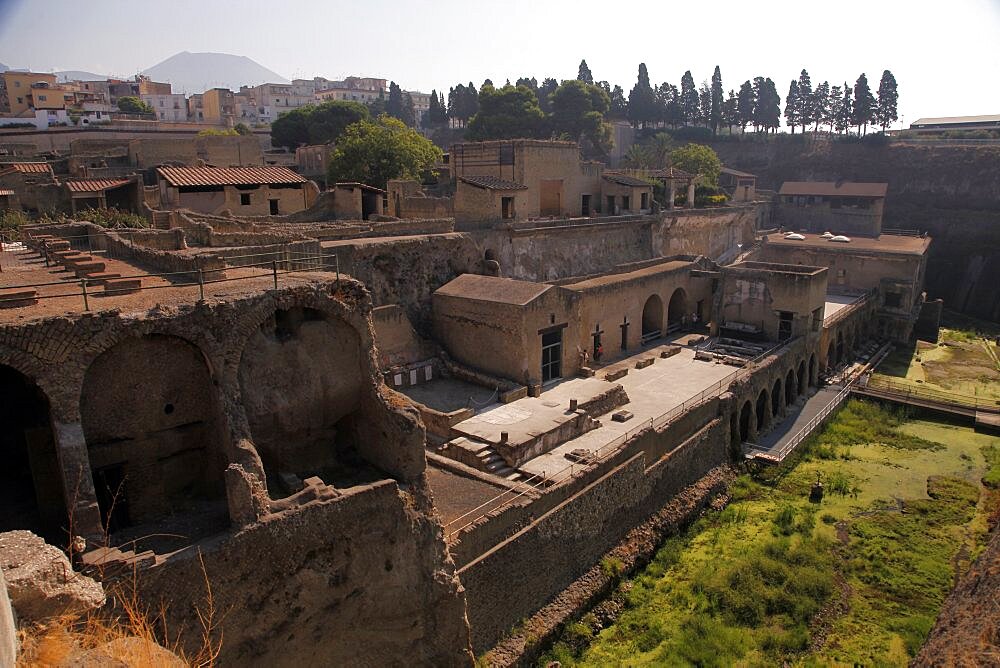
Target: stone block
{"points": [[621, 416], [615, 375], [84, 269], [670, 351], [101, 277], [18, 298], [40, 580], [122, 286], [643, 363]]}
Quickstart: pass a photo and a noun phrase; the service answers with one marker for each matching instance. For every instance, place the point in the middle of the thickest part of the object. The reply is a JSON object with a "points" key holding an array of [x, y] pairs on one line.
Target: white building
{"points": [[272, 100], [171, 108]]}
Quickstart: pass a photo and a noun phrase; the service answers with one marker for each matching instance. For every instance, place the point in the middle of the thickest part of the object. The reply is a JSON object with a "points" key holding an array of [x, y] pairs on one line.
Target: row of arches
{"points": [[157, 437], [757, 413], [652, 314]]}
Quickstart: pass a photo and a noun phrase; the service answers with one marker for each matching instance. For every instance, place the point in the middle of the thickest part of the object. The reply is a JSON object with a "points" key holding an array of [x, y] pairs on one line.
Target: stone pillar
{"points": [[78, 483], [673, 193], [690, 202]]}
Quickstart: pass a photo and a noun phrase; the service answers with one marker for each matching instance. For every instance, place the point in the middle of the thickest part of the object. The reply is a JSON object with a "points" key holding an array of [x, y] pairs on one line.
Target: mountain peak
{"points": [[190, 73]]}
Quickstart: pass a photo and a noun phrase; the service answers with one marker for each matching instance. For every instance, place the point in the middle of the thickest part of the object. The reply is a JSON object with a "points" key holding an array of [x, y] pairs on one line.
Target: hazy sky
{"points": [[945, 56]]}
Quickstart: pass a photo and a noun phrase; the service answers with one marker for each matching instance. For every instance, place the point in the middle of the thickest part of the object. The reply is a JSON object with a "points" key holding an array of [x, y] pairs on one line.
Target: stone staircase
{"points": [[480, 456]]}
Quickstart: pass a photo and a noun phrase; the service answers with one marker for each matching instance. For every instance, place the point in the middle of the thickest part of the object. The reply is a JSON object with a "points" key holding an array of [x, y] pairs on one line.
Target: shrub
{"points": [[612, 566]]}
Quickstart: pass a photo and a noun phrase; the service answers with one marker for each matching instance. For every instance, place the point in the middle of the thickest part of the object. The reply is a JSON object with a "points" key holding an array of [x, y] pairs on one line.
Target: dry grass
{"points": [[133, 635]]}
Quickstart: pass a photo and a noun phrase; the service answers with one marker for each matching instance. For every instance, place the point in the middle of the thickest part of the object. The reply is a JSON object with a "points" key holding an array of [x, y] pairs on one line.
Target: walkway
{"points": [[797, 425]]}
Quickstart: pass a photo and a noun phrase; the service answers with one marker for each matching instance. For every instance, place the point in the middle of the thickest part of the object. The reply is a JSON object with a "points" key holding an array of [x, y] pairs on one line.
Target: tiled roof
{"points": [[228, 176], [4, 193], [736, 172], [25, 167], [94, 185], [626, 180], [833, 189], [493, 289], [493, 183]]}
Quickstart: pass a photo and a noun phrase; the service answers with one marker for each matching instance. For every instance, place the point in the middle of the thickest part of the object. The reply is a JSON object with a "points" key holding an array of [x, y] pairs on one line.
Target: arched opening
{"points": [[776, 397], [813, 371], [652, 318], [31, 493], [745, 414], [302, 387], [677, 310], [763, 418], [803, 380], [790, 386], [831, 355], [154, 433], [841, 358]]}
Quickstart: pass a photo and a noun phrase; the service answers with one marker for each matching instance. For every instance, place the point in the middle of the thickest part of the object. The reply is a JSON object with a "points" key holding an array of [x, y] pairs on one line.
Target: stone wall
{"points": [[8, 631], [362, 579], [710, 232], [949, 191], [553, 550]]}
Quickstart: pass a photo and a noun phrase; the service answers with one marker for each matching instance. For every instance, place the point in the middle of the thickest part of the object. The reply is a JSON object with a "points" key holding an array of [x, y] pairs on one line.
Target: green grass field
{"points": [[773, 578]]}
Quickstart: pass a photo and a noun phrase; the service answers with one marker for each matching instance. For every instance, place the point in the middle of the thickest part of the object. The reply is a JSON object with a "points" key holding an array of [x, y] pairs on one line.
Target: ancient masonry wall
{"points": [[550, 553], [359, 580]]}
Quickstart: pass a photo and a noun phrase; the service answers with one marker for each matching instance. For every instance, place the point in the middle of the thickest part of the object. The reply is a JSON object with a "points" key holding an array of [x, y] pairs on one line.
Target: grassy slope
{"points": [[858, 577]]}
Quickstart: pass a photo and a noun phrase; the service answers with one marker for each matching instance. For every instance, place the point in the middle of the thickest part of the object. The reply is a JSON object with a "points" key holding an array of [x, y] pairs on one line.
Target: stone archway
{"points": [[302, 385], [31, 492], [841, 353], [813, 371], [790, 387], [762, 414], [803, 380], [745, 415], [154, 433], [776, 397], [677, 310], [652, 318]]}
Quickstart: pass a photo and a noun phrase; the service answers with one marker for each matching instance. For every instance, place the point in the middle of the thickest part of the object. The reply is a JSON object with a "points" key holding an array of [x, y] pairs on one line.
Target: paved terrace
{"points": [[653, 391], [60, 292]]}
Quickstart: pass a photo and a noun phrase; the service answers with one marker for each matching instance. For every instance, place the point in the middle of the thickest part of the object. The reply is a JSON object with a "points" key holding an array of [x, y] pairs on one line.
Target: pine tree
{"points": [[642, 100], [864, 104], [619, 106], [716, 115], [704, 104], [394, 105], [745, 104], [409, 114], [584, 74], [730, 111], [548, 87], [442, 117], [888, 98], [430, 118], [844, 118], [836, 102], [771, 111], [805, 102], [689, 98], [821, 104], [792, 106]]}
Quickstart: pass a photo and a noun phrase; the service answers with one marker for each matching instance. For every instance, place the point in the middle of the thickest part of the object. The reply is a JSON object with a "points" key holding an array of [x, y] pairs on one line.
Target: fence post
{"points": [[274, 271], [83, 284]]}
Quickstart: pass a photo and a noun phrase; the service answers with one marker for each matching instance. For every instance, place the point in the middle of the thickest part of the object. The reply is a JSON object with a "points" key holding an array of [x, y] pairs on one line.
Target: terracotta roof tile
{"points": [[228, 176], [25, 167], [94, 185], [493, 183]]}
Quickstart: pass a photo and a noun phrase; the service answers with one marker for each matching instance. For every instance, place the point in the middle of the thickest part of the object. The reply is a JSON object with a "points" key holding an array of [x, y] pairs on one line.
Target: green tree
{"points": [[394, 105], [578, 111], [619, 106], [698, 159], [545, 91], [409, 113], [745, 104], [689, 98], [730, 111], [242, 129], [888, 98], [715, 119], [316, 123], [805, 102], [216, 132], [821, 104], [642, 100], [792, 117], [864, 104], [133, 105], [373, 152], [767, 105], [584, 74], [845, 110], [430, 119], [704, 104], [507, 113]]}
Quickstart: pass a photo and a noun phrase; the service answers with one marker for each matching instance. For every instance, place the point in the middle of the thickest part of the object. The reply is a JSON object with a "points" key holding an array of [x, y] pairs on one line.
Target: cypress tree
{"points": [[888, 98], [792, 106], [864, 104], [584, 75], [745, 104], [689, 98], [805, 100], [716, 115]]}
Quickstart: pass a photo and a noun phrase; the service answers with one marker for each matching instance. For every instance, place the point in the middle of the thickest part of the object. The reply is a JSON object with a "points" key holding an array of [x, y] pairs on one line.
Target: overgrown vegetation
{"points": [[774, 579]]}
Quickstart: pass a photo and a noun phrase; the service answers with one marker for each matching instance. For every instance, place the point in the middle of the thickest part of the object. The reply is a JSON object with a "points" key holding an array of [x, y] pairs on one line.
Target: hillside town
{"points": [[540, 371]]}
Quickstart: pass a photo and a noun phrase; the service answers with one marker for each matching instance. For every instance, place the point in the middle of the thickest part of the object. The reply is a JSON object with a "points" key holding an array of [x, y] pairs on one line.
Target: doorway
{"points": [[274, 206], [652, 318], [551, 356], [550, 197], [585, 206]]}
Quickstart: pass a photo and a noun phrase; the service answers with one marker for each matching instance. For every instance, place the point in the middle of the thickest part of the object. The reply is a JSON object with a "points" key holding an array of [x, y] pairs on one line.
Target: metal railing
{"points": [[848, 309], [539, 481], [884, 385], [290, 262]]}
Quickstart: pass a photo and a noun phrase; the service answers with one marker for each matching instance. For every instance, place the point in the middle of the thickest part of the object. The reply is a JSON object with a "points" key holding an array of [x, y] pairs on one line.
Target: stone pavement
{"points": [[798, 417]]}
